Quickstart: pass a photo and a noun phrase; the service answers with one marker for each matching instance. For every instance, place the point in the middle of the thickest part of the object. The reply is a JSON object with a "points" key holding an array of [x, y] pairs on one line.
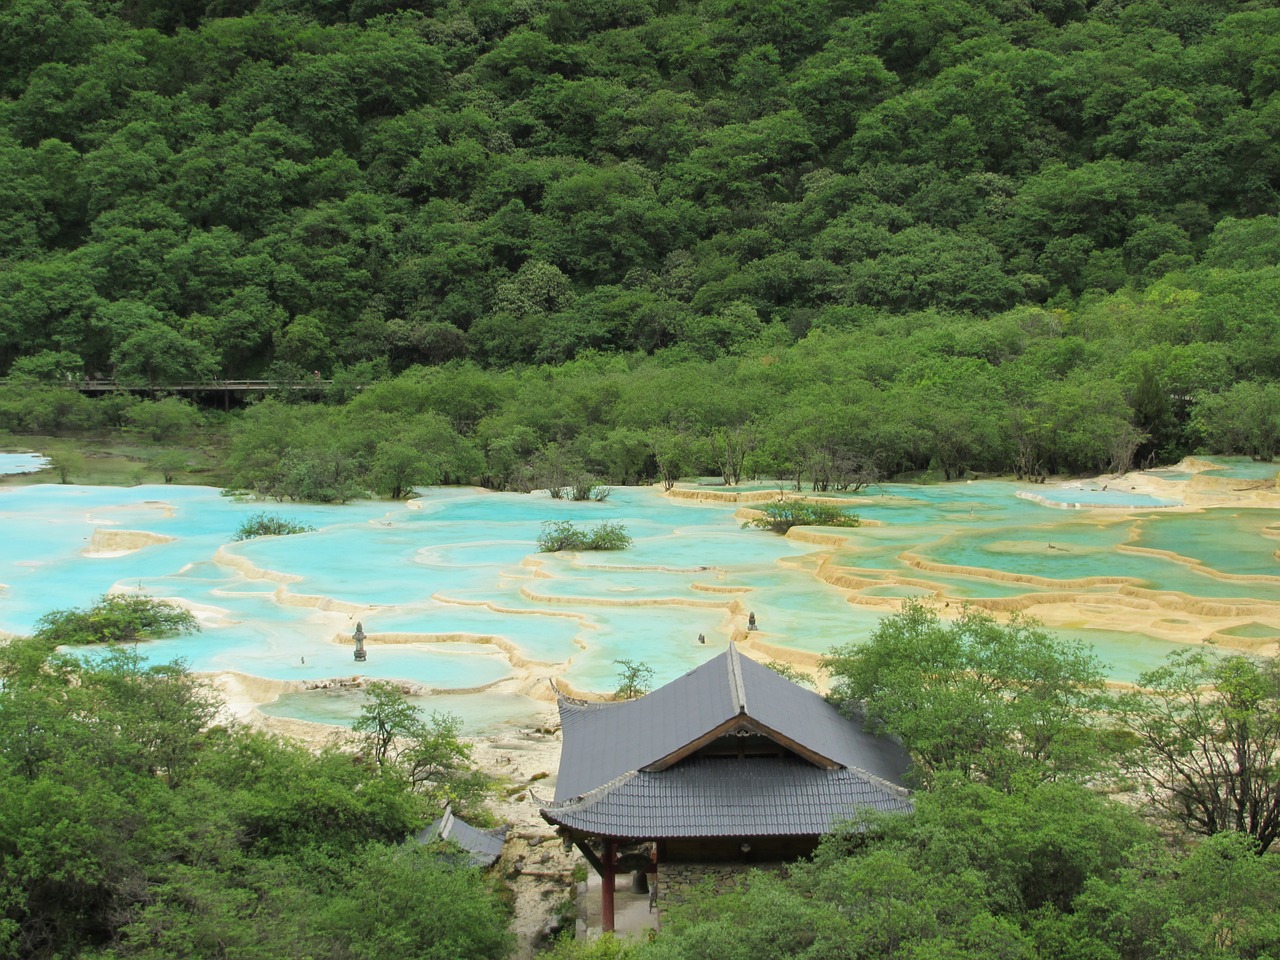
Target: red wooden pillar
{"points": [[607, 881], [658, 846]]}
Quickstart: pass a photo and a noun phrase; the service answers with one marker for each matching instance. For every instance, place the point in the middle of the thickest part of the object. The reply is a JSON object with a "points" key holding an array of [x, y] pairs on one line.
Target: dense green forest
{"points": [[1025, 237]]}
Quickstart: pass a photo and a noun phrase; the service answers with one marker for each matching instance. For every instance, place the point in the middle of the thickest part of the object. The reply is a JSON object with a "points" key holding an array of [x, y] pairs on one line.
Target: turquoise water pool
{"points": [[1243, 468], [454, 578]]}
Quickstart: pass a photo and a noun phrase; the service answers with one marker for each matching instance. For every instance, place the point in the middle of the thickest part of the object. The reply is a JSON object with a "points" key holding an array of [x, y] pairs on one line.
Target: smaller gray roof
{"points": [[483, 847], [728, 797]]}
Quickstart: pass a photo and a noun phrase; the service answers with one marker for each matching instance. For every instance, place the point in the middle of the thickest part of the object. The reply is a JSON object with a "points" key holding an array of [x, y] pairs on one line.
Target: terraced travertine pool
{"points": [[458, 603]]}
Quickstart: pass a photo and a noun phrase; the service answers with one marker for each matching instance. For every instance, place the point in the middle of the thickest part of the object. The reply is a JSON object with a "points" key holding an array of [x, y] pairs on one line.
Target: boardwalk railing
{"points": [[187, 386], [224, 390]]}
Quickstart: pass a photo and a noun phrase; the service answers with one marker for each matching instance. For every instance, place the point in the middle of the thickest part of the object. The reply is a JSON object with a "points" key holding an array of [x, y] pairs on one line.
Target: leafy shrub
{"points": [[586, 488], [116, 618], [66, 463], [582, 489], [51, 366], [560, 535], [565, 535], [269, 525], [635, 679], [609, 535], [782, 516], [170, 463], [118, 778]]}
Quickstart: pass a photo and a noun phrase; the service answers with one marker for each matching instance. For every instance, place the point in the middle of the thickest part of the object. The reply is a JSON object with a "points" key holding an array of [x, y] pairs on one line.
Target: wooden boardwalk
{"points": [[191, 386], [226, 389]]}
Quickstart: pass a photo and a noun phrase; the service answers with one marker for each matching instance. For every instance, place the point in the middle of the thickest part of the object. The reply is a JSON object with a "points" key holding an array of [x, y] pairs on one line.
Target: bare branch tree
{"points": [[1209, 729]]}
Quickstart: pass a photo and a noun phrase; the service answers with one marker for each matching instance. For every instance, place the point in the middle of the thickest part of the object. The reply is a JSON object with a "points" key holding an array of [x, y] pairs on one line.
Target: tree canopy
{"points": [[1039, 237], [1209, 732], [134, 825], [999, 703], [116, 618]]}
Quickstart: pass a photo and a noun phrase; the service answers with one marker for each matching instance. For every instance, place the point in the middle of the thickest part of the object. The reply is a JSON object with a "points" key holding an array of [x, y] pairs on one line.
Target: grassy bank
{"points": [[116, 461]]}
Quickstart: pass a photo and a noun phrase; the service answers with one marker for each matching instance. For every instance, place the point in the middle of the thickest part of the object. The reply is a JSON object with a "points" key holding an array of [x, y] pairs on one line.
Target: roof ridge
{"points": [[881, 782], [737, 689]]}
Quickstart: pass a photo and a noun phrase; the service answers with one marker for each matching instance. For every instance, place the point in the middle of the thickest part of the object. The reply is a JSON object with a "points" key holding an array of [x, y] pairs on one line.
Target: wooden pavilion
{"points": [[731, 762]]}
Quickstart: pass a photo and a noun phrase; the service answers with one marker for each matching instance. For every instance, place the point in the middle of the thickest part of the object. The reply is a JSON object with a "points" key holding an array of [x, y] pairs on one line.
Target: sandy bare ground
{"points": [[1127, 606]]}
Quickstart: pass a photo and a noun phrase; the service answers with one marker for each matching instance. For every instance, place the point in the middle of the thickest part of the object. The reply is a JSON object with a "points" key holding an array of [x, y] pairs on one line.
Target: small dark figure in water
{"points": [[751, 620], [304, 661], [702, 638]]}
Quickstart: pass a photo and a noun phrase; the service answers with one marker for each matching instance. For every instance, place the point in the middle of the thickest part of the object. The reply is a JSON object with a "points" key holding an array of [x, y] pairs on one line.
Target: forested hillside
{"points": [[993, 221]]}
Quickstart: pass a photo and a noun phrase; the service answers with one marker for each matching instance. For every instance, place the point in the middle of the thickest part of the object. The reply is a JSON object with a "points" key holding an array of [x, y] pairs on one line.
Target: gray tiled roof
{"points": [[803, 716], [483, 848], [728, 798], [602, 741]]}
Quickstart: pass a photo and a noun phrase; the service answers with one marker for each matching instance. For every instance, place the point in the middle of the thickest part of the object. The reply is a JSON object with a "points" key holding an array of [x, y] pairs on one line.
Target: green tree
{"points": [[49, 411], [1245, 418], [875, 905], [427, 752], [158, 354], [269, 525], [1002, 704], [792, 673], [1217, 899], [1208, 728], [560, 535], [672, 454], [133, 825], [781, 517], [165, 419], [398, 467], [635, 679], [116, 618], [50, 366], [66, 464], [170, 463], [427, 908], [94, 756], [304, 344], [1007, 838]]}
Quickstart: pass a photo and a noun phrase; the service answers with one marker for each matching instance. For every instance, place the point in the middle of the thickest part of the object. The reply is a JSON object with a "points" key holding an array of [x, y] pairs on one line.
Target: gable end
{"points": [[746, 725]]}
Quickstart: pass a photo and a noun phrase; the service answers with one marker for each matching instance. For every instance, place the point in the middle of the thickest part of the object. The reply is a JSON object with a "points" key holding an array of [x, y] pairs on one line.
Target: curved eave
{"points": [[727, 798]]}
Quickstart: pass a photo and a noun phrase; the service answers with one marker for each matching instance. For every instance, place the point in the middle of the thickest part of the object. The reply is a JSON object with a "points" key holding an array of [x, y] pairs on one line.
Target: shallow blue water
{"points": [[461, 565], [15, 463], [1242, 468]]}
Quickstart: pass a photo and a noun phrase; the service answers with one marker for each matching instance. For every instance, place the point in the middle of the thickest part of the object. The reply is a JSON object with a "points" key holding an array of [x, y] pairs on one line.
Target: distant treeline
{"points": [[268, 188], [1122, 379]]}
